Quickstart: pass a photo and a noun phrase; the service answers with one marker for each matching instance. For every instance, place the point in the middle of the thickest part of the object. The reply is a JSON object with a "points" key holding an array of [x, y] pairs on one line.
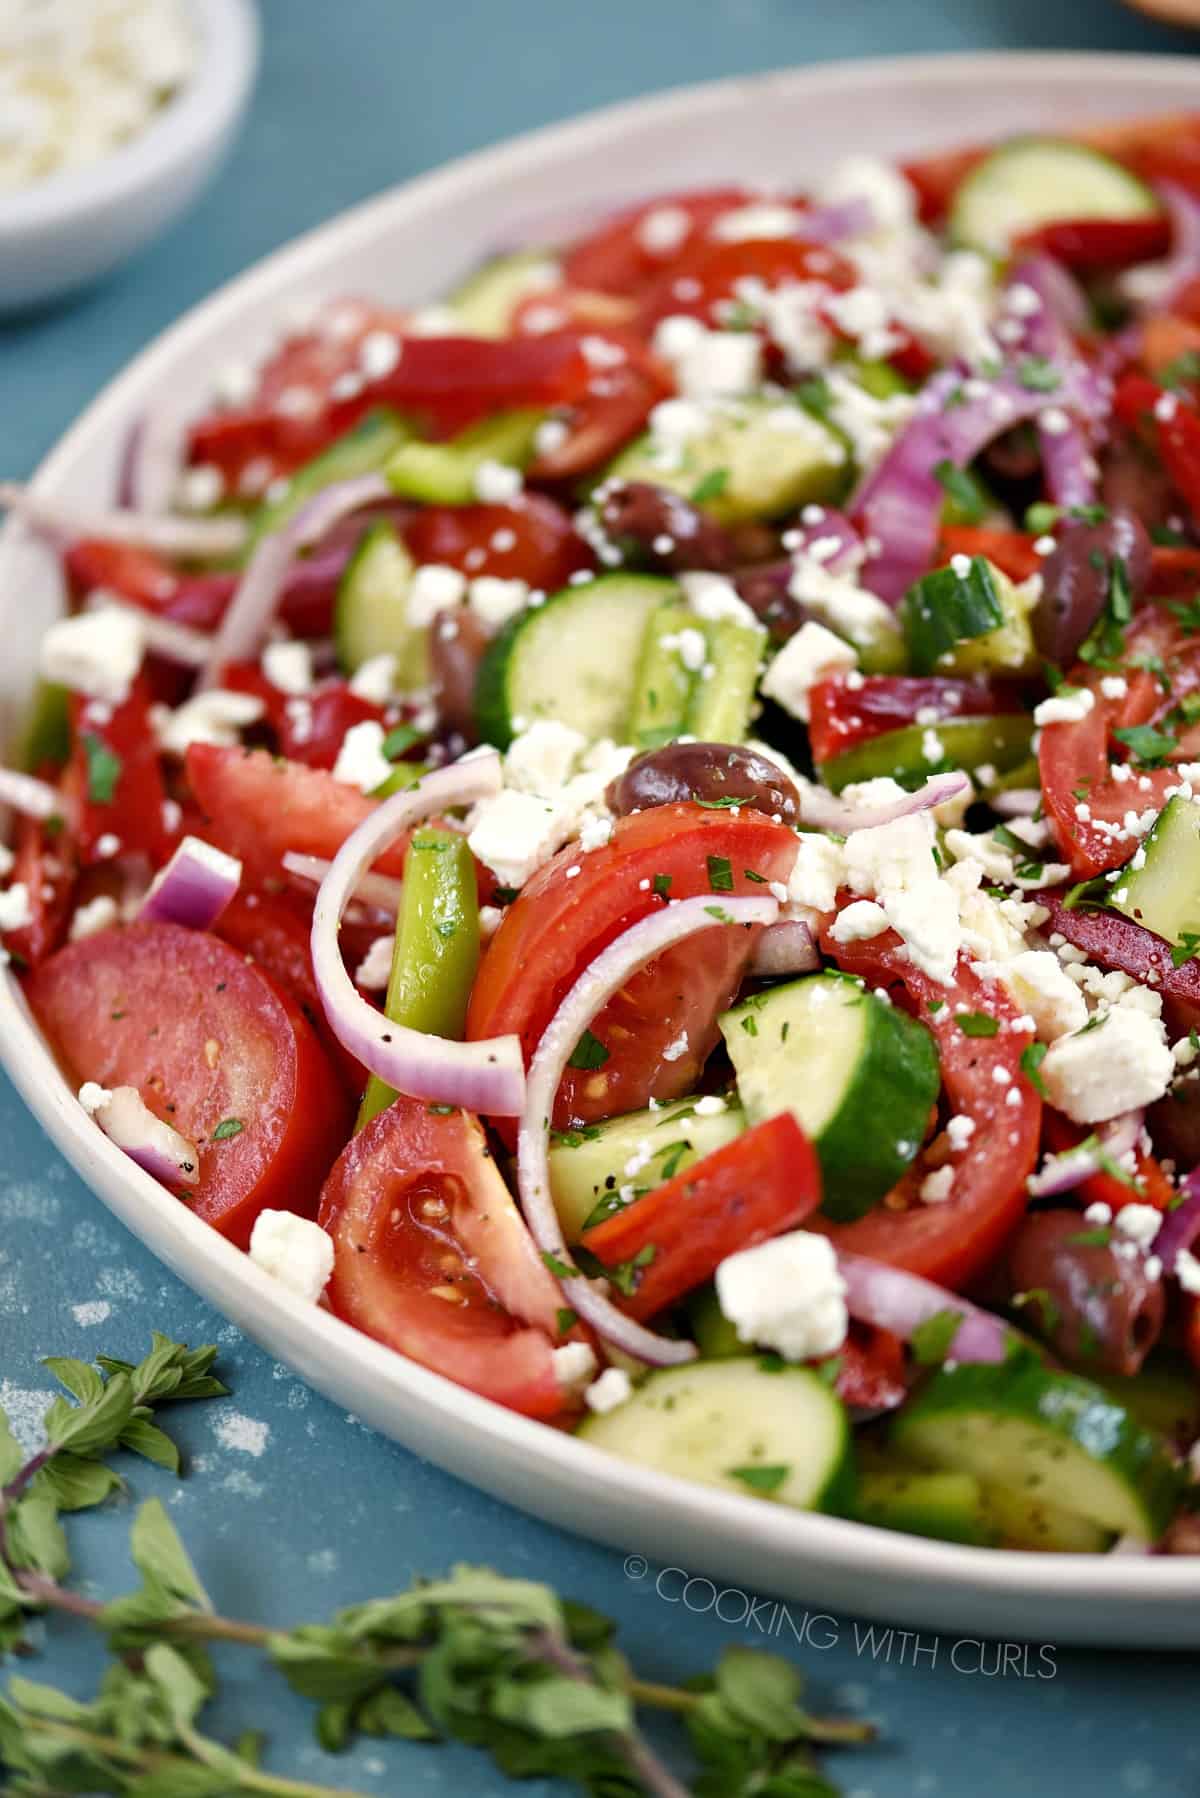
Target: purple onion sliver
{"points": [[1181, 1227], [820, 810], [193, 888], [1063, 1172], [891, 1299], [786, 948], [146, 1139], [61, 521], [834, 223]]}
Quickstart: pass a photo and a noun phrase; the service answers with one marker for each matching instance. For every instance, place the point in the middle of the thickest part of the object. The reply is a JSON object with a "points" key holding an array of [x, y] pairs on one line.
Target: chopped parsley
{"points": [[1187, 613], [227, 1128], [103, 769], [720, 874], [760, 1479], [1186, 948], [1038, 374], [712, 486], [1105, 644], [1032, 1058], [964, 492], [932, 1340], [977, 1023], [626, 1275], [1149, 746], [661, 885], [589, 1052], [398, 741], [558, 1268], [566, 1319]]}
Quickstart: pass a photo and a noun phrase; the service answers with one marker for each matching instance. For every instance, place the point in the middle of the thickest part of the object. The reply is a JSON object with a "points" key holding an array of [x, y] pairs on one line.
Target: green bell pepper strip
{"points": [[437, 947]]}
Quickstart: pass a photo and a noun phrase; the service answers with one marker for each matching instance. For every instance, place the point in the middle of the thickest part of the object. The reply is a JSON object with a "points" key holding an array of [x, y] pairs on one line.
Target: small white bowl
{"points": [[60, 233]]}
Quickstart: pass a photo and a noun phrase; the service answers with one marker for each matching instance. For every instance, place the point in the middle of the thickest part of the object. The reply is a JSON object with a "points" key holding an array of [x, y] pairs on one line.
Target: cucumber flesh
{"points": [[574, 658], [1051, 1438], [486, 300], [1036, 180], [951, 1507], [1022, 1521], [859, 1076], [370, 614], [723, 697], [445, 474], [1164, 893], [664, 682], [589, 1168], [732, 1424], [1002, 741]]}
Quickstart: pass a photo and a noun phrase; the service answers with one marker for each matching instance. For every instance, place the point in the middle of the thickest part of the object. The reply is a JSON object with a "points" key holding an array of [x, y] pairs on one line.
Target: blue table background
{"points": [[311, 1510]]}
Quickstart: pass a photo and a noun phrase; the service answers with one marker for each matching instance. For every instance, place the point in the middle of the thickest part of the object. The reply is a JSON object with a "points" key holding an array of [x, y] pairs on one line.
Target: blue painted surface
{"points": [[352, 98]]}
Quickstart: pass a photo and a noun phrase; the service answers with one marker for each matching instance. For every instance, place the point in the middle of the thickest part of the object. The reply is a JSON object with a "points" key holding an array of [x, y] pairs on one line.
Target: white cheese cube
{"points": [[289, 667], [513, 833], [95, 653], [361, 762], [812, 655], [295, 1250], [1116, 1065], [1041, 988], [786, 1294], [540, 760], [434, 588]]}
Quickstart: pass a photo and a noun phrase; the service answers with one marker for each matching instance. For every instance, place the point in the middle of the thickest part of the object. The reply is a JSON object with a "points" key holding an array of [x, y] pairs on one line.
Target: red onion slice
{"points": [[253, 606], [373, 889], [62, 521], [820, 810], [486, 1076], [193, 888], [1060, 1173], [155, 456], [31, 797], [837, 221], [786, 948], [1066, 456], [891, 1299], [146, 1139], [1016, 802], [610, 971], [1183, 263], [1181, 1227]]}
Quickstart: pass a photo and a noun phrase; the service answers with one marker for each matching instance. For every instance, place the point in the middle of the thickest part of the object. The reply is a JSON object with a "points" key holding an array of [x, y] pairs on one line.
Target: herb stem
{"points": [[250, 1779], [658, 1780], [195, 1625]]}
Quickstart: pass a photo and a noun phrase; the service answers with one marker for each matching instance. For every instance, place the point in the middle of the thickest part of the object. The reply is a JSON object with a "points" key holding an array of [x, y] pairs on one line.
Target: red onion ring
{"points": [[31, 797], [193, 888], [1059, 1173], [146, 1139], [1066, 456], [605, 976], [891, 1299], [1181, 1227], [373, 889], [828, 811], [256, 599], [786, 948], [171, 535], [487, 1076]]}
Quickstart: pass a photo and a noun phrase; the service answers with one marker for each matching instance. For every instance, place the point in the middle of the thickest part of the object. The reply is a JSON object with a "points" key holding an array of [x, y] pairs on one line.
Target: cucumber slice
{"points": [[370, 613], [724, 697], [444, 474], [710, 1329], [47, 733], [574, 659], [361, 451], [663, 684], [1163, 1396], [588, 1168], [1035, 180], [944, 608], [1022, 1521], [730, 1424], [759, 458], [1002, 741], [859, 1076], [1164, 893], [951, 1507], [487, 299], [1049, 1437]]}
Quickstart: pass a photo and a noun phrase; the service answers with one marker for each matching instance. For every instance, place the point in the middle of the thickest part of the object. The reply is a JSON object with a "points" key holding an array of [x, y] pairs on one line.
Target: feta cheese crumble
{"points": [[1116, 1065], [295, 1250], [813, 654], [360, 761], [612, 1389], [95, 653], [786, 1294]]}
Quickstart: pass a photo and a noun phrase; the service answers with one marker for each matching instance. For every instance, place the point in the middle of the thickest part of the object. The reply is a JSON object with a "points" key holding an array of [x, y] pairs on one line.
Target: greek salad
{"points": [[636, 832]]}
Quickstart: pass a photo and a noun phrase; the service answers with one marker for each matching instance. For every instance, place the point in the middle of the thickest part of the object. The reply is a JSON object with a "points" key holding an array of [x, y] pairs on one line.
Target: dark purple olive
{"points": [[713, 773], [1094, 1308], [1174, 1124], [665, 531], [765, 591], [1075, 579], [456, 645]]}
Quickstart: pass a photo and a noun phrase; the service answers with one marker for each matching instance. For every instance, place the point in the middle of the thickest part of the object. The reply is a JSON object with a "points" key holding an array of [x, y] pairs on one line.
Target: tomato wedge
{"points": [[561, 922], [114, 779], [620, 257], [257, 807], [432, 1257], [1012, 552], [1152, 1185], [710, 273], [207, 1039], [44, 864], [765, 1181], [843, 716], [1090, 805], [311, 733], [532, 540], [957, 1239], [1089, 244]]}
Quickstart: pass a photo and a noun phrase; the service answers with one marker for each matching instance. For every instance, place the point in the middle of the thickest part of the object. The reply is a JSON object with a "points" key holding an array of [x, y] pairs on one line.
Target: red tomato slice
{"points": [[844, 716], [936, 180], [433, 1258], [956, 1240], [1174, 569], [871, 1371], [1093, 243], [44, 864], [1153, 1186], [558, 926], [615, 258], [115, 779], [205, 1038], [257, 807], [762, 1183], [532, 540], [1114, 941], [312, 732], [1011, 551], [1074, 759], [702, 277], [615, 408]]}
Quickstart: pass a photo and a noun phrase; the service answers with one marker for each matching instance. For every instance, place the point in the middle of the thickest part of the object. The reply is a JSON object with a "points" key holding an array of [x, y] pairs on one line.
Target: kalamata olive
{"points": [[457, 641], [1174, 1124], [664, 530], [714, 773], [1094, 1307], [1075, 579], [765, 591]]}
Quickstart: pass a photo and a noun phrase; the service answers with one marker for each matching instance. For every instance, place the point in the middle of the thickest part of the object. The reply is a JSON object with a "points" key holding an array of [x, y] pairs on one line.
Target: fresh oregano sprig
{"points": [[502, 1664]]}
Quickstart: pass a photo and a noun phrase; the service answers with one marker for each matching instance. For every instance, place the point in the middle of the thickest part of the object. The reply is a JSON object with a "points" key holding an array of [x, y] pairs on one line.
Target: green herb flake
{"points": [[566, 1319], [720, 874], [1186, 948], [103, 769], [932, 1340], [977, 1023], [227, 1129], [712, 486], [558, 1268], [662, 885], [963, 492], [399, 741], [1149, 746], [1038, 374], [589, 1052], [1032, 1058], [760, 1478]]}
